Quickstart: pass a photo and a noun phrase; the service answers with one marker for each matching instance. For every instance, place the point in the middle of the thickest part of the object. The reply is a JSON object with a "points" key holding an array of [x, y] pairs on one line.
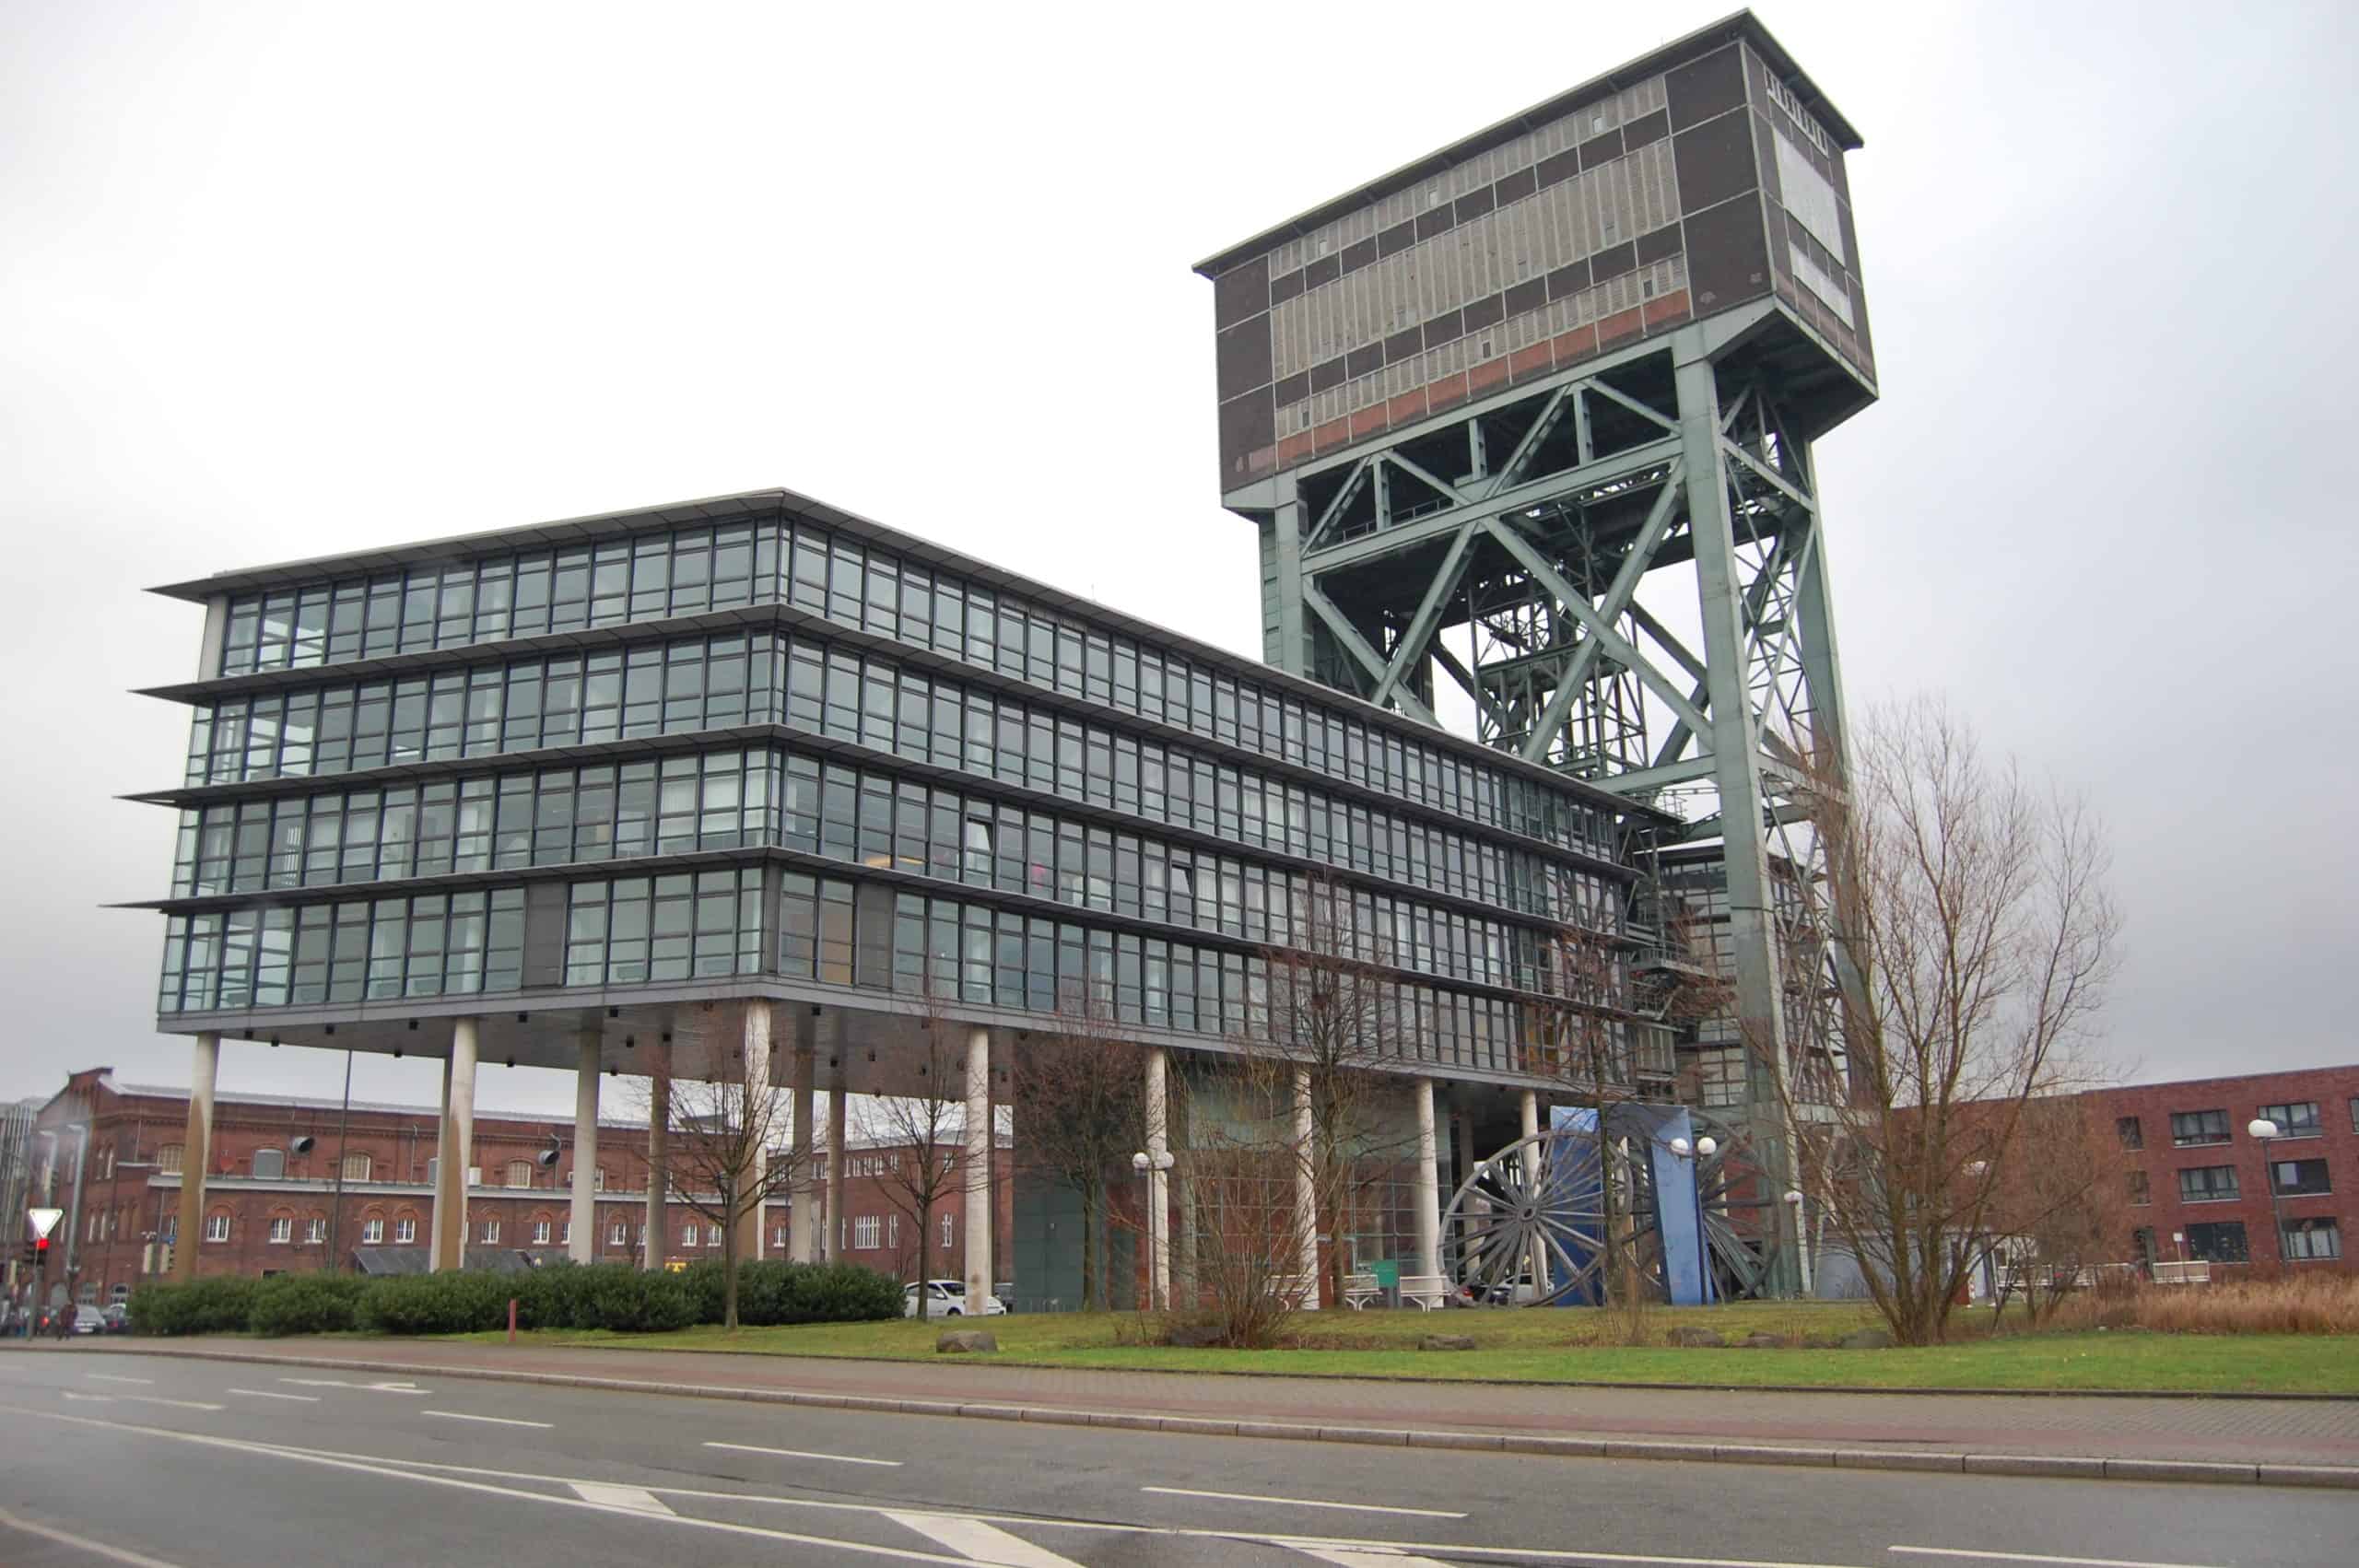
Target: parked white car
{"points": [[946, 1298]]}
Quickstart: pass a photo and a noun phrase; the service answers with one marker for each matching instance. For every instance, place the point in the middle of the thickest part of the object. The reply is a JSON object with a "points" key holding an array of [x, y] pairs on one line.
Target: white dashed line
{"points": [[490, 1421], [635, 1497], [104, 1378], [266, 1394], [2034, 1556], [1303, 1502], [803, 1454], [984, 1543]]}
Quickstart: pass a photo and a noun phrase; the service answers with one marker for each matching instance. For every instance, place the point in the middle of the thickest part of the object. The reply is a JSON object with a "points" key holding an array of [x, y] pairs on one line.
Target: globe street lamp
{"points": [[2262, 1128], [1146, 1165], [1801, 1239]]}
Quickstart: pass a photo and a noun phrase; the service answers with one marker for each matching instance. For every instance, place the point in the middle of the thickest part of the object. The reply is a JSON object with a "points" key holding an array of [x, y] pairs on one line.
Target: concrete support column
{"points": [[441, 1165], [838, 1105], [1427, 1188], [582, 1243], [458, 1145], [196, 1154], [1306, 1190], [659, 1130], [751, 1233], [803, 1229], [979, 1167], [1158, 1179]]}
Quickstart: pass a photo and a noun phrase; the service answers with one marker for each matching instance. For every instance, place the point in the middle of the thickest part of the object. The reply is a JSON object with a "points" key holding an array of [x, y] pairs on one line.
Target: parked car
{"points": [[118, 1319], [947, 1298], [89, 1320]]}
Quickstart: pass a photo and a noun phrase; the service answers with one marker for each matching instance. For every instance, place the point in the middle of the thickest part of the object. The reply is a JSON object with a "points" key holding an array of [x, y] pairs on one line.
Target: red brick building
{"points": [[2201, 1187], [272, 1207]]}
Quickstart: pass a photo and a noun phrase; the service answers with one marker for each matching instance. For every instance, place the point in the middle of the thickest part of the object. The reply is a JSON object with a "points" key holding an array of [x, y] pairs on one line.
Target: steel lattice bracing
{"points": [[1621, 572]]}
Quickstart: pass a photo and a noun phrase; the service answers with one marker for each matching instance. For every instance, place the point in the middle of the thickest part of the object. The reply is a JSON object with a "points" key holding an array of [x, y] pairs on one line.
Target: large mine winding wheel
{"points": [[1540, 1198]]}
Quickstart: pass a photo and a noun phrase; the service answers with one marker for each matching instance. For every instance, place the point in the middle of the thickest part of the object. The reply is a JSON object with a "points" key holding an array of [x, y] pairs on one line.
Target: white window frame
{"points": [[540, 1232], [491, 1233], [618, 1234], [404, 1232], [867, 1231], [315, 1231], [948, 1237], [282, 1230], [373, 1233]]}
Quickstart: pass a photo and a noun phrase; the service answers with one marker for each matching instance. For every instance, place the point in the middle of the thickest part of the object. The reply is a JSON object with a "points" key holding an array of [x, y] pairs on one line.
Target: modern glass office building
{"points": [[555, 794]]}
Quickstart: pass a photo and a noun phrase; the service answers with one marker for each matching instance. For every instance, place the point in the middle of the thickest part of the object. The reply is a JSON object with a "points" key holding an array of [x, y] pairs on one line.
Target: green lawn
{"points": [[1564, 1345]]}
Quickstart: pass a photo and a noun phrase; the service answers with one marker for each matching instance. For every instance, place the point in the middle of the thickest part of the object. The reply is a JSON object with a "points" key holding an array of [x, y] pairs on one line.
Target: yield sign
{"points": [[44, 1220]]}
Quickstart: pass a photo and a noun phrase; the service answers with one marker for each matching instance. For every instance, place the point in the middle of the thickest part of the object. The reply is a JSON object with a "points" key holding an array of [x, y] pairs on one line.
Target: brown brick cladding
{"points": [[2335, 1091], [128, 1202]]}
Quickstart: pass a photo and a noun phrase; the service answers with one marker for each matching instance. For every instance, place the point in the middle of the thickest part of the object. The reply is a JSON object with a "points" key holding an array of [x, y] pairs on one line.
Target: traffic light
{"points": [[37, 1254], [32, 1253]]}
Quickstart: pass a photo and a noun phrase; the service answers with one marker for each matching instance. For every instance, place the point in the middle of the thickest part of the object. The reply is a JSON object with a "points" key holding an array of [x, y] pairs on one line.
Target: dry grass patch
{"points": [[2293, 1303]]}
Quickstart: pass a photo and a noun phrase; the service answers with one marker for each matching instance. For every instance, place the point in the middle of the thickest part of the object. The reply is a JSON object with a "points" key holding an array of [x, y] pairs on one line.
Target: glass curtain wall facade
{"points": [[797, 746]]}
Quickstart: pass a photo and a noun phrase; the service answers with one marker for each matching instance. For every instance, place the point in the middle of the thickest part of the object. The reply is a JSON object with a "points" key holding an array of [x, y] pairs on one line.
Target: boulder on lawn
{"points": [[960, 1341], [1760, 1342], [1194, 1336], [1446, 1342], [1865, 1339], [1690, 1338]]}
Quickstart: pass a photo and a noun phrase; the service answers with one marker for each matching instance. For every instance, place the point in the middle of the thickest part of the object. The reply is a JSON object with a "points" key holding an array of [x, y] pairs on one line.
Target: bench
{"points": [[1427, 1292]]}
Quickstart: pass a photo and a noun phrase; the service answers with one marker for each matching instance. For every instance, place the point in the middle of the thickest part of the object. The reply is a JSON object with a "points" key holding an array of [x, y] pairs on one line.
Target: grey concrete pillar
{"points": [[1426, 1189], [581, 1241], [441, 1168], [759, 1087], [659, 1131], [838, 1105], [1159, 1180], [458, 1144], [1306, 1190], [803, 1228], [979, 1167], [196, 1154]]}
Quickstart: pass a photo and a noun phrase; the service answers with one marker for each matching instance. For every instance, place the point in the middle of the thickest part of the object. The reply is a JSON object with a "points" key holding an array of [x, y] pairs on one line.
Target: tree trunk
{"points": [[925, 1260], [1091, 1296], [728, 1268]]}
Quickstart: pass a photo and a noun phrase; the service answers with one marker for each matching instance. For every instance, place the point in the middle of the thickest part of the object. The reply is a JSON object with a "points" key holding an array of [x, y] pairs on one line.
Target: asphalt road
{"points": [[146, 1460]]}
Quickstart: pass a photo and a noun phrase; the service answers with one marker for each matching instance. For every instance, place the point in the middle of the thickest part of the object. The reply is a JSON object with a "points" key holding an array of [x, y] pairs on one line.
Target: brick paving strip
{"points": [[2130, 1437]]}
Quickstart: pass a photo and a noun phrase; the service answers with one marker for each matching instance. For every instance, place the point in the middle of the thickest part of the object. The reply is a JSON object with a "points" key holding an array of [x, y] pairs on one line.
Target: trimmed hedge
{"points": [[202, 1306], [305, 1303], [612, 1296]]}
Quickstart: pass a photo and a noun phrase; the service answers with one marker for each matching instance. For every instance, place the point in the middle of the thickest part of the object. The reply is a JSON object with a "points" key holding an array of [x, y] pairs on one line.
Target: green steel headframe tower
{"points": [[1534, 413]]}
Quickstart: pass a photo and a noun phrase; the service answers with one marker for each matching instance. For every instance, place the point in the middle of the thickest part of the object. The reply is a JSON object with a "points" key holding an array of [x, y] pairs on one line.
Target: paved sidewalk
{"points": [[2239, 1432]]}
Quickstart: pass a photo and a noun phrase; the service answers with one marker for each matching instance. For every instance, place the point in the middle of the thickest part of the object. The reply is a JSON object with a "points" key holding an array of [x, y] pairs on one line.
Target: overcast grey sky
{"points": [[281, 280]]}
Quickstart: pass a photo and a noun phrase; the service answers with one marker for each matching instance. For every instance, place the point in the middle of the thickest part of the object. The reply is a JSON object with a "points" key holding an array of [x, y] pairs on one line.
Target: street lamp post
{"points": [[1703, 1148], [1801, 1238], [2265, 1130], [1146, 1167]]}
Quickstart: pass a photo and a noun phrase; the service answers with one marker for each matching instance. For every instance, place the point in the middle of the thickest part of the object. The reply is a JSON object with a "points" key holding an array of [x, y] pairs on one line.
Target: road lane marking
{"points": [[83, 1543], [1302, 1502], [376, 1467], [375, 1463], [2034, 1557], [177, 1404], [104, 1378], [87, 1398], [266, 1394], [490, 1421], [402, 1387], [1350, 1557], [804, 1454], [633, 1497], [983, 1543]]}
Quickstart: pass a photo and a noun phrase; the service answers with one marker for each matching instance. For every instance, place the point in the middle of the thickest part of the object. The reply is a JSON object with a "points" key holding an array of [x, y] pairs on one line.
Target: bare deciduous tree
{"points": [[2058, 1204], [1969, 905], [730, 1151], [1323, 1044], [917, 1133], [1080, 1100]]}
